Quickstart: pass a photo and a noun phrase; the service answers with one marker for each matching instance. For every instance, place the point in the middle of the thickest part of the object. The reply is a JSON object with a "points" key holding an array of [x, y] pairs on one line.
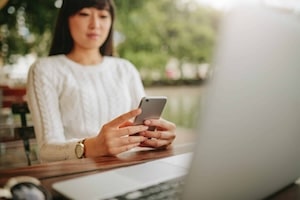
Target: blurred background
{"points": [[171, 42]]}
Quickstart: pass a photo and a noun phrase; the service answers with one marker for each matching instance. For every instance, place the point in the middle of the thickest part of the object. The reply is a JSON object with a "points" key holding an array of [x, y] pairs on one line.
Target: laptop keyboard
{"points": [[170, 190]]}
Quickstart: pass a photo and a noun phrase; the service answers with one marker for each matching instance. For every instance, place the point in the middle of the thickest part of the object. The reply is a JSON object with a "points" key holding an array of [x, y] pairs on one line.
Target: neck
{"points": [[85, 58]]}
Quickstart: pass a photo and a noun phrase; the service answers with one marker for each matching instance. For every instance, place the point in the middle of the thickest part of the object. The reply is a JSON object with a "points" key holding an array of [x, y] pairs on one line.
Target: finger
{"points": [[125, 117], [155, 143], [130, 140], [128, 123], [162, 135], [130, 130], [161, 124]]}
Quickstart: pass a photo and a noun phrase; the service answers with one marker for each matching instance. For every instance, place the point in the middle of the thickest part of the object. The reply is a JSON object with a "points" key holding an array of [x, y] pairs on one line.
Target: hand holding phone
{"points": [[152, 108]]}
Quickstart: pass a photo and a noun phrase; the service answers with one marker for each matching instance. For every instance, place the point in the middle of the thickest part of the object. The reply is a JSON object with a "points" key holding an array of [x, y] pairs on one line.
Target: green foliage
{"points": [[153, 31], [157, 31], [26, 26]]}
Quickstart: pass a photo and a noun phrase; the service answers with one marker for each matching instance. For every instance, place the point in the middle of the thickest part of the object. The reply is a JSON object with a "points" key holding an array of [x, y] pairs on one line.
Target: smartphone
{"points": [[152, 108]]}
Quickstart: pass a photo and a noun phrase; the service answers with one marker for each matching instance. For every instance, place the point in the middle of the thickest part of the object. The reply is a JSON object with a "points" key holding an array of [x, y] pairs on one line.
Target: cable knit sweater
{"points": [[69, 101]]}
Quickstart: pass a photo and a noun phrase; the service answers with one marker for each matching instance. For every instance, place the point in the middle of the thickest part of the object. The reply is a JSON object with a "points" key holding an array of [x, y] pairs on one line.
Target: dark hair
{"points": [[62, 42]]}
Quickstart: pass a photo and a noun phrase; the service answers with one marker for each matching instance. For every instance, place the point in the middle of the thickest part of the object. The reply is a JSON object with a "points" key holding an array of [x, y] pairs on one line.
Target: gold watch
{"points": [[80, 149]]}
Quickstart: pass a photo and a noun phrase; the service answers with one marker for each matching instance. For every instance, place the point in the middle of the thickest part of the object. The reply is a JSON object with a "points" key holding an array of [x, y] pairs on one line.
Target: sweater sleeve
{"points": [[42, 97]]}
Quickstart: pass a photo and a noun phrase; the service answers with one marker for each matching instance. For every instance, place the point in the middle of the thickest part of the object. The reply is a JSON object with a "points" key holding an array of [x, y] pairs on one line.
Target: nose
{"points": [[94, 22]]}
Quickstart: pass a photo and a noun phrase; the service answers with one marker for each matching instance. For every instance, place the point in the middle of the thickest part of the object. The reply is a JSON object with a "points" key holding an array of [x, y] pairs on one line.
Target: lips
{"points": [[93, 36]]}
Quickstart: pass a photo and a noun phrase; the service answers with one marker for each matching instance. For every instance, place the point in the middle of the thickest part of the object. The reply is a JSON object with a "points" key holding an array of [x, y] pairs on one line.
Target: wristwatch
{"points": [[80, 149]]}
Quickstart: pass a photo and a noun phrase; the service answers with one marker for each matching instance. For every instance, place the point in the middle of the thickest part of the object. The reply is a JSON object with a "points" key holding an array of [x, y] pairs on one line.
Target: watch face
{"points": [[79, 150]]}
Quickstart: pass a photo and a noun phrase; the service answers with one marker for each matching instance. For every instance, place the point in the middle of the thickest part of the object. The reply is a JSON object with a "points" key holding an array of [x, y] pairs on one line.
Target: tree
{"points": [[156, 31], [26, 27], [150, 32]]}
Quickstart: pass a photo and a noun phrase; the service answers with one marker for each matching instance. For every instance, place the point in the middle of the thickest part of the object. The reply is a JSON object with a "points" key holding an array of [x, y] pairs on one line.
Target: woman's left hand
{"points": [[162, 137]]}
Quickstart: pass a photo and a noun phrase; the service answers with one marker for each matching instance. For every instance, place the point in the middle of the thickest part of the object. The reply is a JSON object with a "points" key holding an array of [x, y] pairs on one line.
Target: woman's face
{"points": [[89, 28]]}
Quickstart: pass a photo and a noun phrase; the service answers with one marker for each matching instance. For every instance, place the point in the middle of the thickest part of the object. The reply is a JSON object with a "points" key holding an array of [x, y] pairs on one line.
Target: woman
{"points": [[79, 94]]}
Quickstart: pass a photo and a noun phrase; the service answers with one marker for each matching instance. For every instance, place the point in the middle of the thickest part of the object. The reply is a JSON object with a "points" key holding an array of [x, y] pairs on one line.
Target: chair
{"points": [[10, 95], [14, 99], [25, 132]]}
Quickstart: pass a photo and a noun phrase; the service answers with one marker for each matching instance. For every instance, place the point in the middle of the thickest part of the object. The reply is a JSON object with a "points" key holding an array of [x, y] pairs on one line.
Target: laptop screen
{"points": [[249, 133]]}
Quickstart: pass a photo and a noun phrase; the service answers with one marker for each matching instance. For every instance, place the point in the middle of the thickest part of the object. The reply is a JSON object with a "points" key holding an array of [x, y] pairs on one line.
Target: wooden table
{"points": [[49, 173]]}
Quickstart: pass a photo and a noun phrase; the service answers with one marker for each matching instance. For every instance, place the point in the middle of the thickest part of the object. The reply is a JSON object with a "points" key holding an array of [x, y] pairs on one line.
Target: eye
{"points": [[103, 14], [83, 14]]}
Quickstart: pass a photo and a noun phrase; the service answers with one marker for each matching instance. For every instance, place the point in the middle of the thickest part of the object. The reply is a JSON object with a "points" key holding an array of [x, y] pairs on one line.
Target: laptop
{"points": [[248, 142]]}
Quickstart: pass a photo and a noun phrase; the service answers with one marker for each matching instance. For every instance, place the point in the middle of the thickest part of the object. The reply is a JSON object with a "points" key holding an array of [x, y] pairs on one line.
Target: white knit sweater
{"points": [[69, 102]]}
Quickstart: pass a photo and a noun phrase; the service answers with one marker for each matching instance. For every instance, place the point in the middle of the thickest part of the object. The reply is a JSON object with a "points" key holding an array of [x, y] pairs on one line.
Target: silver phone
{"points": [[152, 108]]}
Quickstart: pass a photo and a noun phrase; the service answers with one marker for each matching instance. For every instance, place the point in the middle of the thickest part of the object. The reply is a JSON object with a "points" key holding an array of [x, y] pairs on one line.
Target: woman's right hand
{"points": [[113, 138]]}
